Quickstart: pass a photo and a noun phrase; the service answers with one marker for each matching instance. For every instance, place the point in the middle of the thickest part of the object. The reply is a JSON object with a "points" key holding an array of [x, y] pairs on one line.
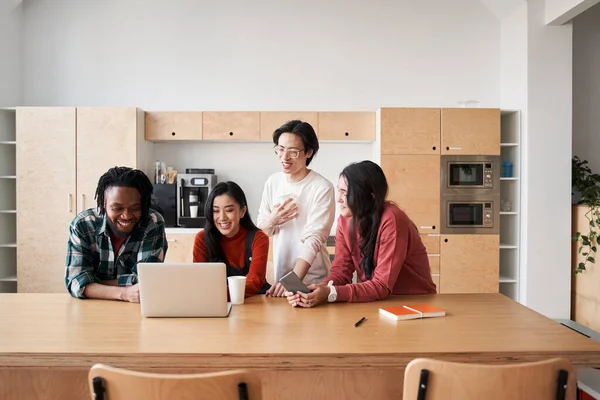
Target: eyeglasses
{"points": [[293, 153]]}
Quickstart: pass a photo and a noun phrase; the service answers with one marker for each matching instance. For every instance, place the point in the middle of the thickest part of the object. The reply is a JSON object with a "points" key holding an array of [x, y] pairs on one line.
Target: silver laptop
{"points": [[183, 289]]}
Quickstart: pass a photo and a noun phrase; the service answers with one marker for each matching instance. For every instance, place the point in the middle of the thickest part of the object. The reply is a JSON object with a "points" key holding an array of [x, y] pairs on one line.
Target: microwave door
{"points": [[465, 214], [466, 175]]}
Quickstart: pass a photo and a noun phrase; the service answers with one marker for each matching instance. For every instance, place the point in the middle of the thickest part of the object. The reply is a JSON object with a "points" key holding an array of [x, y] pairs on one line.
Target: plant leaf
{"points": [[591, 259]]}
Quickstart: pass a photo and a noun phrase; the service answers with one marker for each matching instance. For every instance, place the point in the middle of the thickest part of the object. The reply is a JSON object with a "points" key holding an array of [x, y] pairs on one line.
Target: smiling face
{"points": [[295, 168], [227, 214], [343, 197], [123, 207]]}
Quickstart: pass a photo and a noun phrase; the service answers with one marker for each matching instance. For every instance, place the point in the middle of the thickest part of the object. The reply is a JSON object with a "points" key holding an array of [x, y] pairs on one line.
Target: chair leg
{"points": [[99, 390], [561, 388], [243, 391], [423, 384]]}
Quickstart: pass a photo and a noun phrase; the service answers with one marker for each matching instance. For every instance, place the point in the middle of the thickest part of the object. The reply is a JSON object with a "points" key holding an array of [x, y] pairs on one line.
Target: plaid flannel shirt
{"points": [[90, 254]]}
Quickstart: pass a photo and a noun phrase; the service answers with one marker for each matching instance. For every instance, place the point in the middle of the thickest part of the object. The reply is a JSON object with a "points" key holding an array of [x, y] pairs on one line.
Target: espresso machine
{"points": [[193, 188]]}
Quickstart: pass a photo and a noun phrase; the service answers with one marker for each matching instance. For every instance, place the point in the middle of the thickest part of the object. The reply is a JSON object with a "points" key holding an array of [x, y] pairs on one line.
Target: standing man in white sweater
{"points": [[297, 208]]}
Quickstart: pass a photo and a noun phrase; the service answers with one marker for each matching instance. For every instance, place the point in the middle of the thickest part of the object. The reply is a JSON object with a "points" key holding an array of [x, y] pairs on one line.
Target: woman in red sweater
{"points": [[231, 237], [376, 239]]}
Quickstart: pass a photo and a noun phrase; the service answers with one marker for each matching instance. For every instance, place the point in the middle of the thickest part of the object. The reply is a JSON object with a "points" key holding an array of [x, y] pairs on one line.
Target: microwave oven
{"points": [[470, 174], [472, 214]]}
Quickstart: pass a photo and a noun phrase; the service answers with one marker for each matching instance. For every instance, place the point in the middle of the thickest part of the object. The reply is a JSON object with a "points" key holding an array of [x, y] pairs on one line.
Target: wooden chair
{"points": [[108, 383], [426, 379]]}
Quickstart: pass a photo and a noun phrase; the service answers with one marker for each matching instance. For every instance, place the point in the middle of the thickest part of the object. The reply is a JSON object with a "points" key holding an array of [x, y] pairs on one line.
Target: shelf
{"points": [[509, 213], [509, 144], [509, 246], [512, 178], [505, 279], [11, 278], [8, 245]]}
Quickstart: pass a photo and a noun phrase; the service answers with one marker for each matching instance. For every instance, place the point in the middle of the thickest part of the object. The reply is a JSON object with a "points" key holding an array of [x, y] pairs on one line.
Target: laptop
{"points": [[183, 289]]}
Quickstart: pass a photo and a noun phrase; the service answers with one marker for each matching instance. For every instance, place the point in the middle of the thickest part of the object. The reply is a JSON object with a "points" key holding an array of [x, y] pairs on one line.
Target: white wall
{"points": [[11, 21], [278, 54], [586, 87], [558, 12], [547, 165]]}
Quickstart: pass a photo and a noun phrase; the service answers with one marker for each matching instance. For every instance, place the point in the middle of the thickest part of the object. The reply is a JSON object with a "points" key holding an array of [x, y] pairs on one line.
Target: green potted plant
{"points": [[586, 185]]}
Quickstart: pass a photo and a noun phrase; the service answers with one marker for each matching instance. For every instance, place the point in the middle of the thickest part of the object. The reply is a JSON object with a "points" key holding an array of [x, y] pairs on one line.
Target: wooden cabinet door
{"points": [[410, 131], [471, 131], [346, 126], [173, 125], [106, 137], [231, 125], [414, 184], [181, 248], [271, 120], [470, 263], [45, 196]]}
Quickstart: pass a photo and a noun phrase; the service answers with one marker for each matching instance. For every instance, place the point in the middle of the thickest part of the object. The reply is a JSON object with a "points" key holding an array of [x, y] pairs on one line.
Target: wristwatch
{"points": [[332, 292]]}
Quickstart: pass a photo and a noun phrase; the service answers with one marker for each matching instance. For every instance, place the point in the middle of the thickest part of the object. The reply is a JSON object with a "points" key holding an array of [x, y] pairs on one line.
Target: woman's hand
{"points": [[283, 213], [318, 295], [277, 290]]}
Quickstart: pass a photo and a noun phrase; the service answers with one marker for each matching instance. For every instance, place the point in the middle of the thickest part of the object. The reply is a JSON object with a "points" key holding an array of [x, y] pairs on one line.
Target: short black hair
{"points": [[305, 131], [125, 177]]}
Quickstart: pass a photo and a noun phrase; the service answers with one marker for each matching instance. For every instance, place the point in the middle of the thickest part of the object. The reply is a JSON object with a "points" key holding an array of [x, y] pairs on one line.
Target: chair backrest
{"points": [[426, 379], [108, 383]]}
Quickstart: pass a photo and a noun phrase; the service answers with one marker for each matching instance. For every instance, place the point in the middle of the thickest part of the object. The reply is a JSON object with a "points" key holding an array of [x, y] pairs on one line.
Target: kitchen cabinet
{"points": [[346, 125], [181, 247], [271, 120], [173, 125], [414, 184], [410, 131], [470, 131], [231, 125], [61, 154], [469, 263]]}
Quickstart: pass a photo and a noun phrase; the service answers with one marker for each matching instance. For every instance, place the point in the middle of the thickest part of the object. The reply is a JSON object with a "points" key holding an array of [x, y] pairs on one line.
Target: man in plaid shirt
{"points": [[106, 243]]}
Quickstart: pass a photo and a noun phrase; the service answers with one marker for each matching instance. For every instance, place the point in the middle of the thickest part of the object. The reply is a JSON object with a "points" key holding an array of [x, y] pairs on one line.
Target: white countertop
{"points": [[182, 231]]}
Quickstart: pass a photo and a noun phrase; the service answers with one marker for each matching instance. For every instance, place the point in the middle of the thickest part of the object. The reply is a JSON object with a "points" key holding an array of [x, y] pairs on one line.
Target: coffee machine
{"points": [[193, 188]]}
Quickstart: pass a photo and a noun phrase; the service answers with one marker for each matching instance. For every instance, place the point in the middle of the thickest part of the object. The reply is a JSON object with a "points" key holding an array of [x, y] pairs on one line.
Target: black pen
{"points": [[363, 319]]}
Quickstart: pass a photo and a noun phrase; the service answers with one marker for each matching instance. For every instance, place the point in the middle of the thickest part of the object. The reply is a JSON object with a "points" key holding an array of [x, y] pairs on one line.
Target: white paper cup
{"points": [[193, 211], [237, 289], [282, 199]]}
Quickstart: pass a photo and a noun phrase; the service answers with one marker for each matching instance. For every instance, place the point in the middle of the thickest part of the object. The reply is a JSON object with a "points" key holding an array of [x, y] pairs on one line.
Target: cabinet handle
{"points": [[453, 148], [433, 255], [446, 240], [230, 133], [173, 133], [70, 203], [427, 227], [82, 202], [171, 240], [346, 134]]}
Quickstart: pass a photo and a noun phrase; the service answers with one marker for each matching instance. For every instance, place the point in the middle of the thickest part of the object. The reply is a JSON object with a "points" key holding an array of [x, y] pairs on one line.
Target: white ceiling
{"points": [[502, 8]]}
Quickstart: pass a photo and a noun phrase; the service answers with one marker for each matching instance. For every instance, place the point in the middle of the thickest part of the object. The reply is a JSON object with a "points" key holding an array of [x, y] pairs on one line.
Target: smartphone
{"points": [[292, 283]]}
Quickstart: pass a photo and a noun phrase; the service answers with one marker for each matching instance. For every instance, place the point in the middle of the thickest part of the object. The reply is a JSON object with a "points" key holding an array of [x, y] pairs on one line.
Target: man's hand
{"points": [[276, 290], [131, 294], [283, 212]]}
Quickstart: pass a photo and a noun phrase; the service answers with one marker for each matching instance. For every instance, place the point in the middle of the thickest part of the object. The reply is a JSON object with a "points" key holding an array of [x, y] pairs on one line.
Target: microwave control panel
{"points": [[488, 175], [488, 215]]}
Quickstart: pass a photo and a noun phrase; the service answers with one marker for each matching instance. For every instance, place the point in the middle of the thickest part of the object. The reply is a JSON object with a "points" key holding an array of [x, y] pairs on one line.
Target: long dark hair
{"points": [[212, 236], [125, 177], [367, 190]]}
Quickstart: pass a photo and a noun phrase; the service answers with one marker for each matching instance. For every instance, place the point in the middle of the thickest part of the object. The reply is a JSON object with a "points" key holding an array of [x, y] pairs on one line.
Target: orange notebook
{"points": [[412, 312]]}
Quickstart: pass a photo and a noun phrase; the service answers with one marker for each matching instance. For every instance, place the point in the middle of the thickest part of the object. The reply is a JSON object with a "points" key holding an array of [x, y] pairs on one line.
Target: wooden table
{"points": [[49, 341]]}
